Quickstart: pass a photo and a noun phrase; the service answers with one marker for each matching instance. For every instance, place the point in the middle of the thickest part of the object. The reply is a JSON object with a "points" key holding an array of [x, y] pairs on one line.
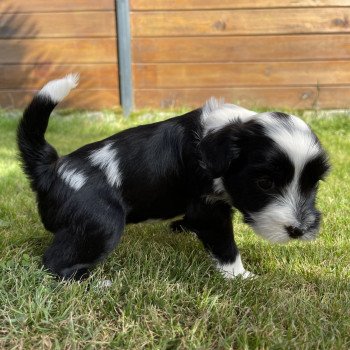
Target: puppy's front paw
{"points": [[235, 269], [245, 274], [104, 284]]}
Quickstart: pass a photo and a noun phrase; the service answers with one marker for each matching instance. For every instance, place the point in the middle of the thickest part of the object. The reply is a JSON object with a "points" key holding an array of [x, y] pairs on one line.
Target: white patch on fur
{"points": [[216, 114], [58, 89], [271, 221], [235, 269], [219, 192], [72, 177], [106, 159], [296, 140], [218, 185]]}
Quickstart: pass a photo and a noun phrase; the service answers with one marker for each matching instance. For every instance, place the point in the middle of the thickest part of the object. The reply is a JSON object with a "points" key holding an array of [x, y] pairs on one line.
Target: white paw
{"points": [[104, 284], [235, 269], [245, 274]]}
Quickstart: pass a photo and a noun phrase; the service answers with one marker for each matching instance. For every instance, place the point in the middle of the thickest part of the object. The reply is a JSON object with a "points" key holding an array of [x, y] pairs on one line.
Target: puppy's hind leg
{"points": [[77, 248]]}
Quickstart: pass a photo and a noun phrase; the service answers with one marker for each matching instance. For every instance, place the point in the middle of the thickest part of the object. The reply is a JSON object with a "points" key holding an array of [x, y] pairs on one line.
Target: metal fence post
{"points": [[124, 55]]}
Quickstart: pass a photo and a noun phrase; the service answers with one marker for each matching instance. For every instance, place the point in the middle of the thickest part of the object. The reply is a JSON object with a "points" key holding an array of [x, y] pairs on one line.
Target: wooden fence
{"points": [[41, 40], [291, 53]]}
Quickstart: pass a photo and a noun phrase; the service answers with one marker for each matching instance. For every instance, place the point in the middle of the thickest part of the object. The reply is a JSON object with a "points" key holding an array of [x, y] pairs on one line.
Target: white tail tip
{"points": [[58, 89]]}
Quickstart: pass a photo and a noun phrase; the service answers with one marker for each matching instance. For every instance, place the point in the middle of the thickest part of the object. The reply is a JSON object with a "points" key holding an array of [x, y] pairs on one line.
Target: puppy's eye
{"points": [[265, 183]]}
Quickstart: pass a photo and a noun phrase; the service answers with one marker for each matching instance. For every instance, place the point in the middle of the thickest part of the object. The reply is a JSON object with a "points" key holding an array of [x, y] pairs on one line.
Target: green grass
{"points": [[165, 293]]}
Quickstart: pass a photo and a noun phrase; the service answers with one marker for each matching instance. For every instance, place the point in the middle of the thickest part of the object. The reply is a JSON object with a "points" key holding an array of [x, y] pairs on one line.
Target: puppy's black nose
{"points": [[294, 232]]}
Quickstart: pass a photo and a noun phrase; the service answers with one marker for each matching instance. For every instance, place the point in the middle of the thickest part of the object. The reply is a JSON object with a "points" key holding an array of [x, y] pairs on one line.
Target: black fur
{"points": [[167, 169]]}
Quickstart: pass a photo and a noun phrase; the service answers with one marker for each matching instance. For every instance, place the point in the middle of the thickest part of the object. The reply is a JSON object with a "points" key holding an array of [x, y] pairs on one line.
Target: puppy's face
{"points": [[271, 168]]}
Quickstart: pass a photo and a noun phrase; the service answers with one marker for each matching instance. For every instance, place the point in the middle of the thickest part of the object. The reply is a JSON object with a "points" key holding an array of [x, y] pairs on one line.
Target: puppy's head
{"points": [[270, 165]]}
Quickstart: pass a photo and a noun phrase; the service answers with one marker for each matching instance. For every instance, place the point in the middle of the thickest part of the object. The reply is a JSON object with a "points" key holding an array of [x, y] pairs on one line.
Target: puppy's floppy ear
{"points": [[218, 149]]}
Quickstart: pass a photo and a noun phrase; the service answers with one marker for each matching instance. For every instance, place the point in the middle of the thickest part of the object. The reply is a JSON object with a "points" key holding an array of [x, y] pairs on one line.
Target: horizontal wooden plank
{"points": [[92, 76], [278, 98], [274, 98], [89, 99], [333, 97], [229, 4], [238, 48], [240, 22], [189, 75], [17, 6], [296, 97], [66, 51], [59, 24]]}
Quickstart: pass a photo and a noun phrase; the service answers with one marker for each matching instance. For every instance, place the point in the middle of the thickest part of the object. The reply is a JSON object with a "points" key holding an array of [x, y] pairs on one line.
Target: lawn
{"points": [[165, 292]]}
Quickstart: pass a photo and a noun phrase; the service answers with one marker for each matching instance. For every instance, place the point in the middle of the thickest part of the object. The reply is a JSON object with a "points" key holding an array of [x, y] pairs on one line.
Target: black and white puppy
{"points": [[199, 165]]}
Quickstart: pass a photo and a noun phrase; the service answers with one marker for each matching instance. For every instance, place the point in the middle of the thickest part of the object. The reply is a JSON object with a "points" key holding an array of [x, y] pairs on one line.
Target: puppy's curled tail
{"points": [[39, 157]]}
